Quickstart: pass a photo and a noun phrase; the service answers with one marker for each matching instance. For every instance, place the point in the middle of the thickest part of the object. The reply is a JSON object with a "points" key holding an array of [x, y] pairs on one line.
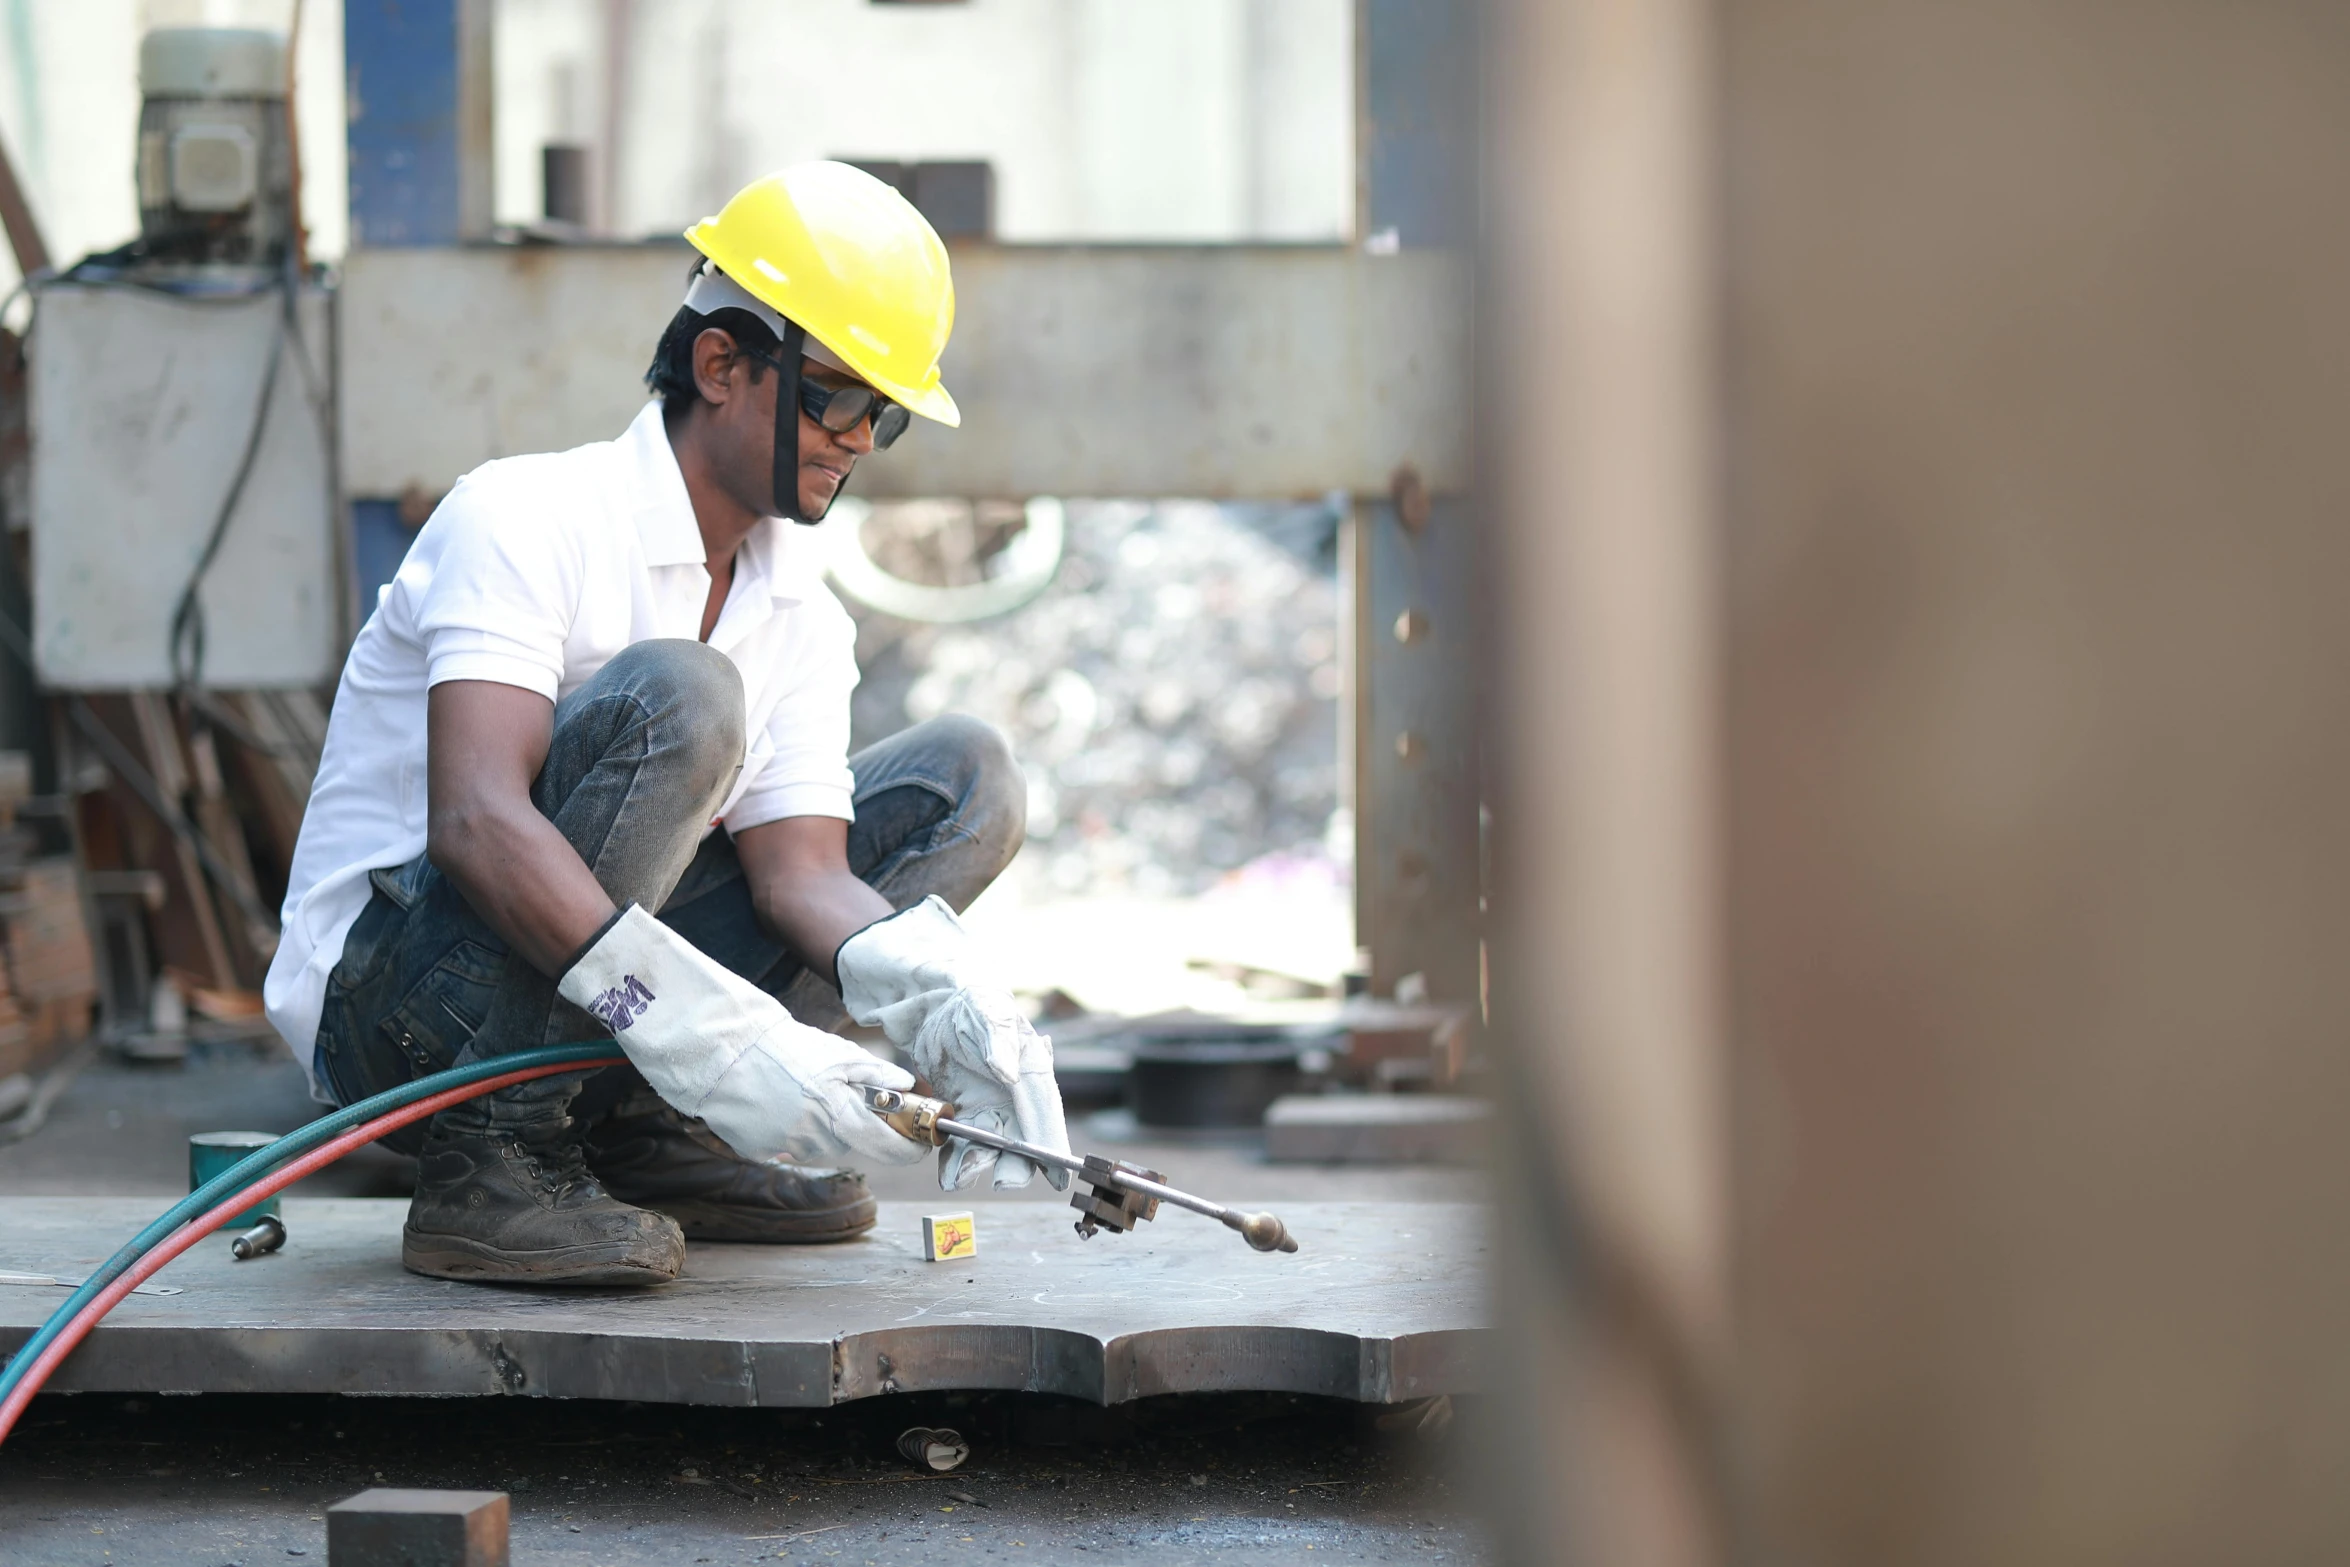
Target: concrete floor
{"points": [[102, 1479]]}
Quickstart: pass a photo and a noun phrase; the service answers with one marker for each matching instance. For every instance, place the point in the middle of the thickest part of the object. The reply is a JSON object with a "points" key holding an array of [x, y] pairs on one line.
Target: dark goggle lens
{"points": [[846, 407], [842, 408]]}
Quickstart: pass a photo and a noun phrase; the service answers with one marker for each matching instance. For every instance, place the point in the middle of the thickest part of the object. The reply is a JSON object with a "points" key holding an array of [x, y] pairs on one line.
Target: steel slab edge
{"points": [[1374, 1310], [1216, 372]]}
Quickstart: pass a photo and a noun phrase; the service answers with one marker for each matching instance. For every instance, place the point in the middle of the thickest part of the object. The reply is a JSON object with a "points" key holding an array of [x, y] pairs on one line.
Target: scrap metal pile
{"points": [[1173, 695]]}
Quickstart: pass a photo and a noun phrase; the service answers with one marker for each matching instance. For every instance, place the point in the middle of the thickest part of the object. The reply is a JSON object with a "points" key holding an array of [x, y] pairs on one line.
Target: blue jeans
{"points": [[640, 758]]}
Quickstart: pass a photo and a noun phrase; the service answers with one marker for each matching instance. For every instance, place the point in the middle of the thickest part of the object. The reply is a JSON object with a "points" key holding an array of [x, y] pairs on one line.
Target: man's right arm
{"points": [[711, 1043], [485, 744]]}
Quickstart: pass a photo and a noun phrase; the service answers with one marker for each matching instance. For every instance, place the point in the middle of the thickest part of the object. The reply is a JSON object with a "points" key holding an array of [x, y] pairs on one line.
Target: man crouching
{"points": [[587, 773]]}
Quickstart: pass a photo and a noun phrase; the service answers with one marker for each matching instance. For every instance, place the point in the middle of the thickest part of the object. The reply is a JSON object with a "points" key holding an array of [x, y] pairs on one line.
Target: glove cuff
{"points": [[580, 953], [913, 951]]}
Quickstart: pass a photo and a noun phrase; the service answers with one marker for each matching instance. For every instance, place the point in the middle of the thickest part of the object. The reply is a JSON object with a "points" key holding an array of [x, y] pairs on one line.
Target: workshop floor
{"points": [[123, 1130], [101, 1479], [115, 1482]]}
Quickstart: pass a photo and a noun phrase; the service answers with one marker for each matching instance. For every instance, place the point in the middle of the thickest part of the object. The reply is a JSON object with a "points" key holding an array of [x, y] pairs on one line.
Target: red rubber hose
{"points": [[268, 1186]]}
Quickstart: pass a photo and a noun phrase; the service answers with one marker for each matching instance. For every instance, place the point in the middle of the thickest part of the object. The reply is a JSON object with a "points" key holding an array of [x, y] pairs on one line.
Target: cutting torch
{"points": [[1113, 1195]]}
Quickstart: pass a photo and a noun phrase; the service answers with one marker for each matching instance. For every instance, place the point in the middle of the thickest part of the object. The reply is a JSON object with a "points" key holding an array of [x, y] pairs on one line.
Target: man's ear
{"points": [[714, 360]]}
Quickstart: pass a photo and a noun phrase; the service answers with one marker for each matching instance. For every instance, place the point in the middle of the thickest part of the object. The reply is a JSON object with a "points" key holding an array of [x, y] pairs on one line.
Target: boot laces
{"points": [[557, 1161]]}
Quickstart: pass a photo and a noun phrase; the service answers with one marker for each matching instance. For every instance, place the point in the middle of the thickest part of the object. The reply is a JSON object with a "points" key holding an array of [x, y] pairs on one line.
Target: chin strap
{"points": [[787, 425]]}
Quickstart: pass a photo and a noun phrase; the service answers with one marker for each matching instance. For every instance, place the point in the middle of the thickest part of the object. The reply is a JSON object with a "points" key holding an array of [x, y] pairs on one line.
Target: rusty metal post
{"points": [[1597, 336], [1418, 636], [1923, 875], [1417, 632]]}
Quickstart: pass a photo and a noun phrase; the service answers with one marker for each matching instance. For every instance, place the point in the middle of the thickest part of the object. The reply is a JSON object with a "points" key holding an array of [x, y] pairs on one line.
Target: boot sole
{"points": [[586, 1267], [704, 1221]]}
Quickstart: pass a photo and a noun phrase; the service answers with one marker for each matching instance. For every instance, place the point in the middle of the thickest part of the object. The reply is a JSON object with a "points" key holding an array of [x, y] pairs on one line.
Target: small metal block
{"points": [[1105, 1204], [395, 1528], [949, 1237]]}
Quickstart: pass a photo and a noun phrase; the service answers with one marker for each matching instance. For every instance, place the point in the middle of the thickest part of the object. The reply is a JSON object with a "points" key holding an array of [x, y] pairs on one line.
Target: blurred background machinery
{"points": [[1236, 646], [216, 156], [183, 517]]}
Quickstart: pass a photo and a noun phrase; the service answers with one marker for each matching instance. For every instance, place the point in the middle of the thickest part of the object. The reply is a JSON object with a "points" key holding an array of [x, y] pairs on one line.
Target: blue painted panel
{"points": [[379, 542], [1418, 862], [401, 66], [1420, 120]]}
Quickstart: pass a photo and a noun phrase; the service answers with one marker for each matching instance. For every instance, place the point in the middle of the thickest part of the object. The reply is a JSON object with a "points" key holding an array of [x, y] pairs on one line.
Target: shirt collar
{"points": [[785, 558], [664, 513]]}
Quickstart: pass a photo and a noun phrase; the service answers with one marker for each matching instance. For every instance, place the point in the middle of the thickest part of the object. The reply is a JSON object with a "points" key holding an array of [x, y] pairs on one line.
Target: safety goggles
{"points": [[841, 409]]}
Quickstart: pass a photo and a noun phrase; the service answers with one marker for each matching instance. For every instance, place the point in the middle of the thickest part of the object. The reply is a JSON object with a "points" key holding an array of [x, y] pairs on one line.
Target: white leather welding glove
{"points": [[1029, 1109], [917, 977], [716, 1046]]}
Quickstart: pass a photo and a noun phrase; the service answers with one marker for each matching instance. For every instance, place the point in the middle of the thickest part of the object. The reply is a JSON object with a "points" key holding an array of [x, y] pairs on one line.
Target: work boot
{"points": [[646, 1153], [515, 1204]]}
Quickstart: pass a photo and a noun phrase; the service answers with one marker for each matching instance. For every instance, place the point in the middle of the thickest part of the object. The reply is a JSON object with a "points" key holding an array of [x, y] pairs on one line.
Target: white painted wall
{"points": [[1186, 120], [1199, 120], [69, 110]]}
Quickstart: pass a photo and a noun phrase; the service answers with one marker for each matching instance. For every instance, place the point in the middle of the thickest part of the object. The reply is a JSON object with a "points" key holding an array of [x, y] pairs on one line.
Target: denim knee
{"points": [[988, 782], [692, 691]]}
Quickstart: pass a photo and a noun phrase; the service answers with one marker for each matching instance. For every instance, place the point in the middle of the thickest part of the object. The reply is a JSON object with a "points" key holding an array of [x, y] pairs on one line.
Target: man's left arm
{"points": [[915, 974]]}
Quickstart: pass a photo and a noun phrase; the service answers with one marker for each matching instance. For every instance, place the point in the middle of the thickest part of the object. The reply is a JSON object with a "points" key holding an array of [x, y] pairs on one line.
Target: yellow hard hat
{"points": [[850, 260]]}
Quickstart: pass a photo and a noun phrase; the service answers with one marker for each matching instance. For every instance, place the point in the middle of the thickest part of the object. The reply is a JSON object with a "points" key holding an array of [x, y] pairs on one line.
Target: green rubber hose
{"points": [[263, 1160]]}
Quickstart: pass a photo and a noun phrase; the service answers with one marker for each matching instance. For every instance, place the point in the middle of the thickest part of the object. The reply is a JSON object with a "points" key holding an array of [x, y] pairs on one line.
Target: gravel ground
{"points": [[1173, 695], [223, 1480]]}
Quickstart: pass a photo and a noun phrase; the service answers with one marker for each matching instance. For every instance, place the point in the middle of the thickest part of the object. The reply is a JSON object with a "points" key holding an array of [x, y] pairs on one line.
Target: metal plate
{"points": [[1373, 1309], [140, 406]]}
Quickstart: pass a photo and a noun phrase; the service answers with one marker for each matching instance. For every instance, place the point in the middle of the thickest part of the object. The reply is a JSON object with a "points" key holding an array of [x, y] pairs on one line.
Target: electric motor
{"points": [[215, 170]]}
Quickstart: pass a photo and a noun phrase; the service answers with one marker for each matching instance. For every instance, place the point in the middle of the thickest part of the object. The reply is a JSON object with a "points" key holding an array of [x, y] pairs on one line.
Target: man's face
{"points": [[825, 457], [743, 414]]}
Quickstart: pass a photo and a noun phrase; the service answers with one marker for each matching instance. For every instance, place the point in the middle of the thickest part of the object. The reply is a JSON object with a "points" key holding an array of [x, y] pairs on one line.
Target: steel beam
{"points": [[1373, 1310], [1419, 618], [420, 113], [1417, 121], [1419, 782], [1125, 371]]}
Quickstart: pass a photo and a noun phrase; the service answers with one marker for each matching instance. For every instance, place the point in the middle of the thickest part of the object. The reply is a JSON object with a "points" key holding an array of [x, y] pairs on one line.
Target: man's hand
{"points": [[485, 744], [915, 976], [1028, 1109], [716, 1046]]}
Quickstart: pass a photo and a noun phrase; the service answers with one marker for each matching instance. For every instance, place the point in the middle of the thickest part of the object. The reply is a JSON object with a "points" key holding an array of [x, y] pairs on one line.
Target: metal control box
{"points": [[141, 403]]}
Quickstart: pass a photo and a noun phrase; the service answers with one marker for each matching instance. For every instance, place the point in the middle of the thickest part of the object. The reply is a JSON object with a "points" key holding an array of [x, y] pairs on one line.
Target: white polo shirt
{"points": [[534, 572]]}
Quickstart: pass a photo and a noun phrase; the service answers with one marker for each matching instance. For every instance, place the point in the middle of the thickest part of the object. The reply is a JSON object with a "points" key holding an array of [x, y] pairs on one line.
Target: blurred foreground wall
{"points": [[1925, 539]]}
